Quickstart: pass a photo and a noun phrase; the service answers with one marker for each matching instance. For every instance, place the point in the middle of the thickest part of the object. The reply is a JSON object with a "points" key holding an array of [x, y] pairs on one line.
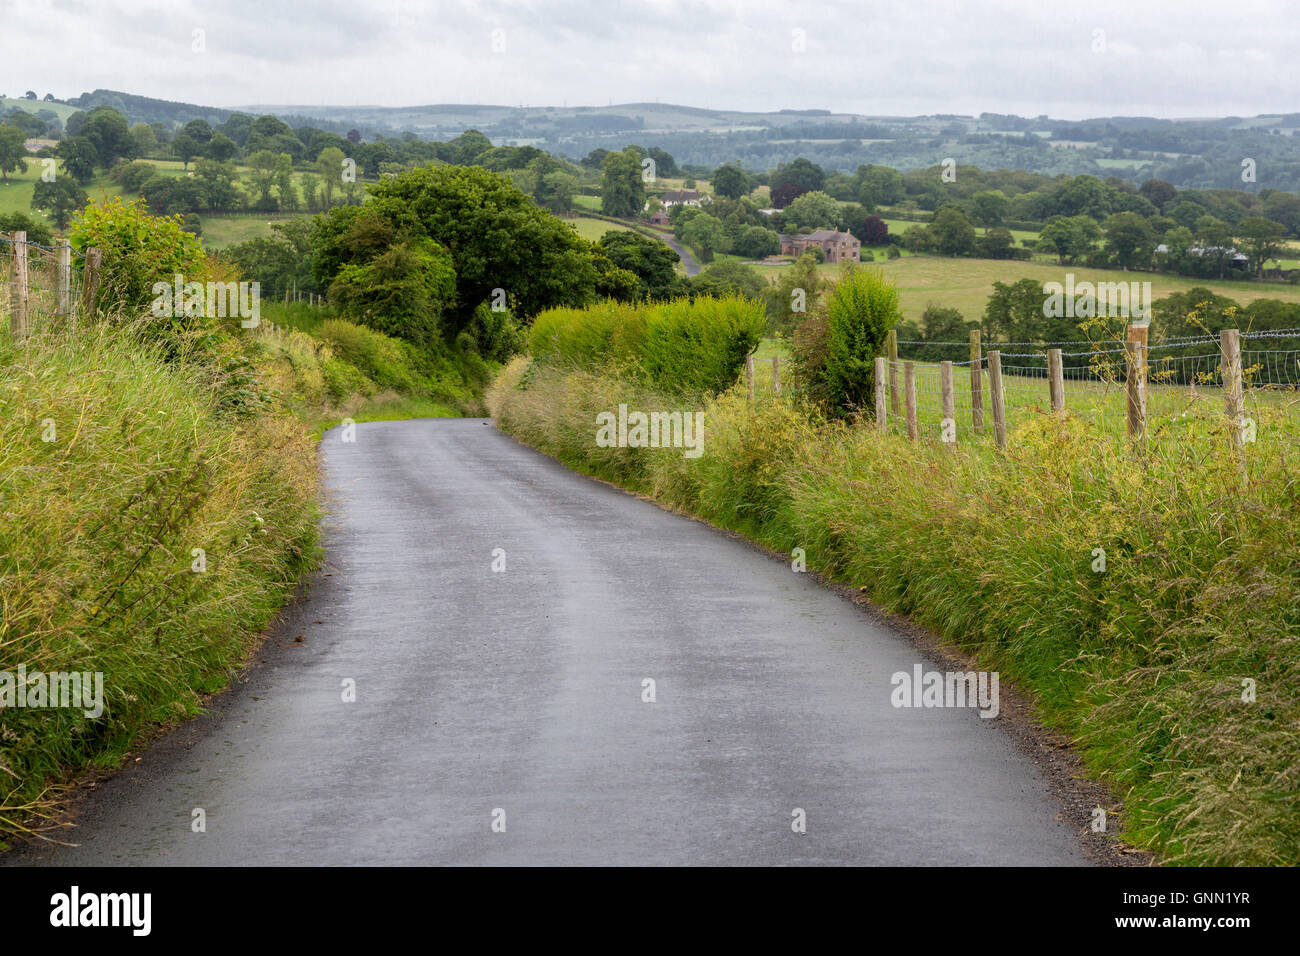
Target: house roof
{"points": [[679, 195], [823, 235], [1211, 250]]}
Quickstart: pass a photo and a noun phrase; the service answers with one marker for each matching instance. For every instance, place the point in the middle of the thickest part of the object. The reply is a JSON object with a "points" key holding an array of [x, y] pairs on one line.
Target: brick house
{"points": [[838, 246]]}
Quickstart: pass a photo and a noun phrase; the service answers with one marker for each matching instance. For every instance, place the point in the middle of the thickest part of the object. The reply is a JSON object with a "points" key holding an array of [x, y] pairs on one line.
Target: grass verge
{"points": [[148, 533]]}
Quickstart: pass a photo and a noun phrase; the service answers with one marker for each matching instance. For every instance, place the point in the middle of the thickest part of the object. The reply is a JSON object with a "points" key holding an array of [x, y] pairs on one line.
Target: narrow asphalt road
{"points": [[692, 266], [516, 696]]}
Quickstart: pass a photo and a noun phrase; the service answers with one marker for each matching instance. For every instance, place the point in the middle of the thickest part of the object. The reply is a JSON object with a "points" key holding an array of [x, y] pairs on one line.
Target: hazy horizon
{"points": [[889, 58]]}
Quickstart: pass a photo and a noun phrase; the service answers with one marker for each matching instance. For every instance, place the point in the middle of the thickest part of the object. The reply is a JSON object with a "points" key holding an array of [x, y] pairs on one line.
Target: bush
{"points": [[36, 231], [139, 250], [132, 176], [680, 346], [493, 334], [390, 362], [728, 278], [402, 291], [835, 365]]}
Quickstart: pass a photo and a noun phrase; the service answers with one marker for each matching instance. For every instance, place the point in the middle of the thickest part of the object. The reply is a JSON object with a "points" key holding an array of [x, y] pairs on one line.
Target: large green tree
{"points": [[808, 176], [13, 151], [330, 166], [731, 182], [1070, 237], [497, 237], [263, 166], [78, 155], [622, 191], [706, 235], [1262, 240], [651, 261], [60, 198], [952, 232], [108, 132], [1130, 239], [218, 182], [813, 210]]}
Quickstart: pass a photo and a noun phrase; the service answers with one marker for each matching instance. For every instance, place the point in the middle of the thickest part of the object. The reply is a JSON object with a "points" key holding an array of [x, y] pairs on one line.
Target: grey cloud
{"points": [[881, 56]]}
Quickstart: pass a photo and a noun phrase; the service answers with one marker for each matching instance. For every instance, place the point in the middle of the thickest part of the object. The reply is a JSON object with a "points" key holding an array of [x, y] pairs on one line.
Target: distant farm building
{"points": [[1233, 258], [676, 197], [838, 246], [680, 197]]}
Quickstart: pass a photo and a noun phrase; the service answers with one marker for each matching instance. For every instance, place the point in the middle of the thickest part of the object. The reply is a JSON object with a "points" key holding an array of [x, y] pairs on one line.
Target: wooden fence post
{"points": [[893, 370], [976, 383], [1055, 380], [18, 286], [909, 386], [1135, 353], [1230, 343], [881, 406], [749, 375], [948, 425], [63, 266], [286, 296], [90, 281], [776, 375], [996, 399]]}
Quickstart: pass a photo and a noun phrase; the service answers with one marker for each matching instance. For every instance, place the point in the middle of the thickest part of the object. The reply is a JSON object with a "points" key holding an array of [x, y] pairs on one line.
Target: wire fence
{"points": [[40, 285], [1178, 388]]}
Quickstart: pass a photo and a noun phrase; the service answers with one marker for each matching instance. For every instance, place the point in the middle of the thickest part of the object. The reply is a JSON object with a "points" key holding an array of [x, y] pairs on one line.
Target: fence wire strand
{"points": [[1185, 393]]}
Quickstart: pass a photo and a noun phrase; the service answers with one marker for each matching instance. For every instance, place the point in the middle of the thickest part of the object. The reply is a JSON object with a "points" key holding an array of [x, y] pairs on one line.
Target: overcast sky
{"points": [[894, 57]]}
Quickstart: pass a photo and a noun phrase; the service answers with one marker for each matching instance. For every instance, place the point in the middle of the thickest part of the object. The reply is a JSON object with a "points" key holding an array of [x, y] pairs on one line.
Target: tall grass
{"points": [[116, 469], [1141, 664]]}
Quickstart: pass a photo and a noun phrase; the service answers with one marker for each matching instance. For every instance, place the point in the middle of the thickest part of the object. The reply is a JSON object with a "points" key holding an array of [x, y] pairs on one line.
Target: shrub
{"points": [[36, 231], [139, 249], [679, 346], [493, 333], [401, 292], [390, 362], [132, 176], [861, 309]]}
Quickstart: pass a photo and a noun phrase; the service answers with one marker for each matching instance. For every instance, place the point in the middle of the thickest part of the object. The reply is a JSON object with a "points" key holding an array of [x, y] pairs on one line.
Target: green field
{"points": [[63, 111], [593, 229], [965, 284], [899, 226], [220, 231]]}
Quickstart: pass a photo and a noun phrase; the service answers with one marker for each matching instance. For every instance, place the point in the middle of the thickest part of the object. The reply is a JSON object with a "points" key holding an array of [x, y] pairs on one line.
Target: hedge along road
{"points": [[518, 696]]}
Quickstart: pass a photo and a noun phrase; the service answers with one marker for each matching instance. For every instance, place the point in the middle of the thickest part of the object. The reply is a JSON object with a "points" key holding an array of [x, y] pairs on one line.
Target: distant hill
{"points": [[1197, 153]]}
